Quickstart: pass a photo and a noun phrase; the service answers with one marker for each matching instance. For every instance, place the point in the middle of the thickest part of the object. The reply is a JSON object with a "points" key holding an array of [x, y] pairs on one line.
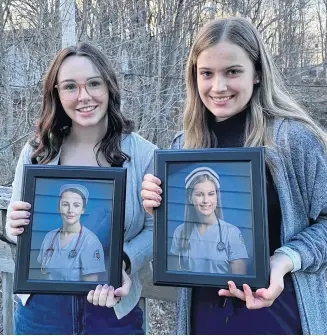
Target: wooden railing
{"points": [[7, 255]]}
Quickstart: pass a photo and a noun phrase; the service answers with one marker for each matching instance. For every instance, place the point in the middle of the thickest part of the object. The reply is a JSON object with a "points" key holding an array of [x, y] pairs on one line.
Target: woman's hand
{"points": [[19, 217], [280, 264], [107, 296], [151, 193]]}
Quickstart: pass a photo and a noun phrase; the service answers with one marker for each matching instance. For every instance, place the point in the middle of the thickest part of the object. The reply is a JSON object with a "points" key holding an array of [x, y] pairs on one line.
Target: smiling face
{"points": [[225, 79], [85, 110], [71, 208], [204, 198]]}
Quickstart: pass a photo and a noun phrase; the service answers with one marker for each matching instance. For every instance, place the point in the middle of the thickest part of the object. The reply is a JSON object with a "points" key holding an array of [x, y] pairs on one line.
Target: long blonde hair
{"points": [[191, 214], [269, 100]]}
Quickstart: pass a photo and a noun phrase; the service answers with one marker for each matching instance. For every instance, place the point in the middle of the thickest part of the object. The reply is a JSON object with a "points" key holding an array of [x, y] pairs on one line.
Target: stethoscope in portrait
{"points": [[49, 252], [220, 247]]}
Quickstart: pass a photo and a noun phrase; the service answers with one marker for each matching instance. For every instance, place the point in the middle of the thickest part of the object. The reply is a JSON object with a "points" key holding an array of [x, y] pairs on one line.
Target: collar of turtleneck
{"points": [[230, 132]]}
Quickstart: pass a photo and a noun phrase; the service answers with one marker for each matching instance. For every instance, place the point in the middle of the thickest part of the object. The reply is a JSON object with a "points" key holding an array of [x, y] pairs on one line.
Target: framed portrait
{"points": [[71, 244], [211, 226]]}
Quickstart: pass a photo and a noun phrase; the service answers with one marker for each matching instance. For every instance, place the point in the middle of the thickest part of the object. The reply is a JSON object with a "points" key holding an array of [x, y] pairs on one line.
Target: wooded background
{"points": [[147, 42]]}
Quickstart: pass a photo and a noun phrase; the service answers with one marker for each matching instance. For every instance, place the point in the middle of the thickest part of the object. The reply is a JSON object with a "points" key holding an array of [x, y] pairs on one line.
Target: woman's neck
{"points": [[204, 226], [88, 136], [205, 221], [68, 229]]}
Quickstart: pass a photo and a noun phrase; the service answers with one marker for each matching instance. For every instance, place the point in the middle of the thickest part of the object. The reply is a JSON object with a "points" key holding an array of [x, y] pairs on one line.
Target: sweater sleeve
{"points": [[309, 164], [140, 249], [17, 185]]}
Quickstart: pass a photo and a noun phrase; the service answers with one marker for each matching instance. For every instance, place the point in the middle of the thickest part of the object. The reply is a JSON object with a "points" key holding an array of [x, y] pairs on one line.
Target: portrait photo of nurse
{"points": [[206, 242], [73, 250]]}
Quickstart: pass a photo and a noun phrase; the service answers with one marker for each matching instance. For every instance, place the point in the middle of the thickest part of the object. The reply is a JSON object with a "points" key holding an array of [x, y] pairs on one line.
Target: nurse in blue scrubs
{"points": [[205, 242], [72, 252]]}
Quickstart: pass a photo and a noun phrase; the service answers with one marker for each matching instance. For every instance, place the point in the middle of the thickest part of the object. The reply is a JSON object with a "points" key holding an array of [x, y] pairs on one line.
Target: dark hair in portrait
{"points": [[191, 215], [54, 124]]}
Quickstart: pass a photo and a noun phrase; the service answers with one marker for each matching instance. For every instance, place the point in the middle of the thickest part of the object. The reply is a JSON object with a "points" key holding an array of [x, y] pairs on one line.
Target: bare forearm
{"points": [[238, 266], [91, 277], [281, 263]]}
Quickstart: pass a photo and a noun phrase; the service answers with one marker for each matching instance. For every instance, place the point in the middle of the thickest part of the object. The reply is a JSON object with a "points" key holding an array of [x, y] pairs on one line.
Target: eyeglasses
{"points": [[70, 90]]}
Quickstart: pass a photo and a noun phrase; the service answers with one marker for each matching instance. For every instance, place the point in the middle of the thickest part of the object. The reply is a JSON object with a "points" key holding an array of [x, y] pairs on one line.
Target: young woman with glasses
{"points": [[81, 124]]}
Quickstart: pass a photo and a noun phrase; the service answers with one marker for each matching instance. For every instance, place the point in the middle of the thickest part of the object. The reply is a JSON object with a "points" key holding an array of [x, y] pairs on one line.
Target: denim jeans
{"points": [[73, 315]]}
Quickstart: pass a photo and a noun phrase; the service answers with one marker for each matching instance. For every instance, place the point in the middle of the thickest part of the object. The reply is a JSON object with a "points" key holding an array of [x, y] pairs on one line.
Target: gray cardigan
{"points": [[139, 225], [301, 179]]}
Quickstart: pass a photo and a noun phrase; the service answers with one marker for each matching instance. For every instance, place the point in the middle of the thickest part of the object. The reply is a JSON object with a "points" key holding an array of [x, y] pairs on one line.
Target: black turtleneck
{"points": [[230, 133]]}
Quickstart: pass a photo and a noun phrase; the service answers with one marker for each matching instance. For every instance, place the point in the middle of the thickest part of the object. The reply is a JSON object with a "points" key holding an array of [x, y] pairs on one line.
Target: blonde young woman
{"points": [[205, 242], [235, 97]]}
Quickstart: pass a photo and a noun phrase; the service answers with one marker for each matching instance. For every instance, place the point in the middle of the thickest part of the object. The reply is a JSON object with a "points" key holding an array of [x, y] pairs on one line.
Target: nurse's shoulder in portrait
{"points": [[205, 242], [71, 252]]}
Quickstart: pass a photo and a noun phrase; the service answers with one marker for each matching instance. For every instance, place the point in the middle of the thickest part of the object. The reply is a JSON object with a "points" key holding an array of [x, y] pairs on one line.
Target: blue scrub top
{"points": [[88, 260], [203, 255]]}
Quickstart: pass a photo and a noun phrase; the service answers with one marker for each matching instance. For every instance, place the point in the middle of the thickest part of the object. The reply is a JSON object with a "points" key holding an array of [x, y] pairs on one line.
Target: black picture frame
{"points": [[242, 194], [105, 190]]}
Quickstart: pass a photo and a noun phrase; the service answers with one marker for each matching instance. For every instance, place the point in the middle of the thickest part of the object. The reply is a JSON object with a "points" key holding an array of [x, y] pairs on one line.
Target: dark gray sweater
{"points": [[301, 179]]}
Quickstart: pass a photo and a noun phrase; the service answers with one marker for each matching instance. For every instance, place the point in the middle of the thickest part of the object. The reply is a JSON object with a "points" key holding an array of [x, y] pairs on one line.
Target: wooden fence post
{"points": [[6, 267], [7, 303]]}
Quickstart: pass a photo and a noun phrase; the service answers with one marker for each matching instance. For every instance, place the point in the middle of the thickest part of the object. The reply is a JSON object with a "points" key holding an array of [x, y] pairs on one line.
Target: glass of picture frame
{"points": [[211, 226], [70, 245]]}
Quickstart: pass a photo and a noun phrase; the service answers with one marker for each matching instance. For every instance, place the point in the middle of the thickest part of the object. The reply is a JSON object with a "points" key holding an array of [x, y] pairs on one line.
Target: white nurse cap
{"points": [[79, 187], [201, 171]]}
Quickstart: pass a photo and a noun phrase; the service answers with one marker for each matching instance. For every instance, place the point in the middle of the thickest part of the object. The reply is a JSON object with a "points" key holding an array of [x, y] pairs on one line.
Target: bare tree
{"points": [[321, 8], [147, 42]]}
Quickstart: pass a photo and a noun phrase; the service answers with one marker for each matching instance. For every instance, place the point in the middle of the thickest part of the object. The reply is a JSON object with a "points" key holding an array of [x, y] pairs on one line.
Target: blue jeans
{"points": [[68, 315]]}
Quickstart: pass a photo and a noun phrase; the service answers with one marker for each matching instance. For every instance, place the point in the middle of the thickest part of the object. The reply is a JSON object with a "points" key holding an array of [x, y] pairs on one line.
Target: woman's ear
{"points": [[256, 79]]}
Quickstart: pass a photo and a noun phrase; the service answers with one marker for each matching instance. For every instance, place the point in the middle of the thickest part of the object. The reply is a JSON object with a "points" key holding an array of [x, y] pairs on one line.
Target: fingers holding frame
{"points": [[103, 296], [151, 193], [19, 217]]}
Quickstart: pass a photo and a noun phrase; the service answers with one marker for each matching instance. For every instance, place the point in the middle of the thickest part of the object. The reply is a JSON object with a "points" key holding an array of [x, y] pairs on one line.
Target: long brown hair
{"points": [[54, 124], [270, 98]]}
